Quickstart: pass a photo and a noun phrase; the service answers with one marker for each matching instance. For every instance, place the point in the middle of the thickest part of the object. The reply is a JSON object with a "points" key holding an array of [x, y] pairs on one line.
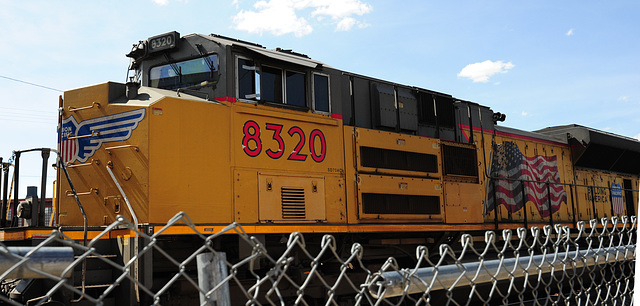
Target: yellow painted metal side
{"points": [[91, 179], [397, 185], [463, 202], [351, 185], [215, 162], [306, 195], [361, 179], [599, 197], [292, 145], [245, 196], [398, 142], [190, 163]]}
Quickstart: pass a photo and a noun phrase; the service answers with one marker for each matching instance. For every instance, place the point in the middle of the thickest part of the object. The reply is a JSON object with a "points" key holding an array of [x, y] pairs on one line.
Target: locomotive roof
{"points": [[590, 146], [535, 135], [585, 134], [278, 53]]}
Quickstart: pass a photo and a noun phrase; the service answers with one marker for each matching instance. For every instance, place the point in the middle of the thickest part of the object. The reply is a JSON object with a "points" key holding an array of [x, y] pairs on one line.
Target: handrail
{"points": [[85, 223], [93, 133], [91, 162], [52, 260], [135, 223], [71, 193], [555, 183], [135, 148], [75, 109], [394, 283], [126, 200]]}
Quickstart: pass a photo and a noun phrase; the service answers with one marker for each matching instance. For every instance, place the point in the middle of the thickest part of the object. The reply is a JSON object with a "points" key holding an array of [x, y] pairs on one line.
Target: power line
{"points": [[33, 84], [48, 122], [27, 110], [30, 115]]}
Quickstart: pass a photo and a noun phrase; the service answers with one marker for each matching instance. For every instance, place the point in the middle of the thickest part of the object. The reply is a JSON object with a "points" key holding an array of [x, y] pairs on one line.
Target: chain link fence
{"points": [[593, 264]]}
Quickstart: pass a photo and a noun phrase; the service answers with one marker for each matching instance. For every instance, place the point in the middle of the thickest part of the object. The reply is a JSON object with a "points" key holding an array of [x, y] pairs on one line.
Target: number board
{"points": [[163, 41], [279, 141]]}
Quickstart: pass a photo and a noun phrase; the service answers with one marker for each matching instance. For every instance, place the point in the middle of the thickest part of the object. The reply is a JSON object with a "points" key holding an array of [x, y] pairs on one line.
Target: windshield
{"points": [[199, 71]]}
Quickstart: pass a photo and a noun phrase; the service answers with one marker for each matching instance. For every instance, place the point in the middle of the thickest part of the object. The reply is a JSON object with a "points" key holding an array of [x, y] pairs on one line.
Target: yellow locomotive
{"points": [[229, 131]]}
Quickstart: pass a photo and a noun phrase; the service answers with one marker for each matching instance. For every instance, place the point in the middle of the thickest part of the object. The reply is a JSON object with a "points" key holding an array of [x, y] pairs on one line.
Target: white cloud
{"points": [[345, 24], [623, 98], [362, 25], [570, 32], [637, 137], [524, 113], [281, 17], [276, 16], [480, 72], [339, 8]]}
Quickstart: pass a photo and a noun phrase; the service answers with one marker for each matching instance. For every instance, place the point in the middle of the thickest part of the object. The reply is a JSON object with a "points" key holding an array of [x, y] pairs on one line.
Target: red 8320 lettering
{"points": [[252, 143], [251, 131]]}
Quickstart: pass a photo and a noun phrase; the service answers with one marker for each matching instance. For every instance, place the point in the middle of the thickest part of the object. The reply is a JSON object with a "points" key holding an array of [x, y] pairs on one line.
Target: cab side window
{"points": [[247, 79], [296, 94], [276, 85], [271, 84], [321, 93]]}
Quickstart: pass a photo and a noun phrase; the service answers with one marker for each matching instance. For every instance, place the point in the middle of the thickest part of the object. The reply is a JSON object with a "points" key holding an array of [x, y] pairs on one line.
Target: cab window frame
{"points": [[262, 85], [168, 64], [283, 91], [313, 93], [256, 79], [304, 87]]}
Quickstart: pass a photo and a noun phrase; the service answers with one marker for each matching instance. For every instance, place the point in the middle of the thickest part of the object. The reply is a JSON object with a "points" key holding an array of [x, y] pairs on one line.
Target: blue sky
{"points": [[543, 63]]}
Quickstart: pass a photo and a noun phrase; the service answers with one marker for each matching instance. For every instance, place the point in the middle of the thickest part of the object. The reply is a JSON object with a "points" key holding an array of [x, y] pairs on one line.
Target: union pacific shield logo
{"points": [[79, 141]]}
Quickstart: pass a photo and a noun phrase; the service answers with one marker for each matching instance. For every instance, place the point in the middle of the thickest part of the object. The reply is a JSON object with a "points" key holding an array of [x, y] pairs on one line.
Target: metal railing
{"points": [[593, 264], [522, 191]]}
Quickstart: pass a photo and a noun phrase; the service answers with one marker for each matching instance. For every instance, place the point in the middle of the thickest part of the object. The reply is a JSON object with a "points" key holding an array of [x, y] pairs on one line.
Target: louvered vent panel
{"points": [[293, 203]]}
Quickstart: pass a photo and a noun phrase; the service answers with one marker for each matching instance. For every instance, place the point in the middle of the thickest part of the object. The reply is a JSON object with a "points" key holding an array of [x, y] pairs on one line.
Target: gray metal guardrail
{"points": [[35, 262], [410, 281]]}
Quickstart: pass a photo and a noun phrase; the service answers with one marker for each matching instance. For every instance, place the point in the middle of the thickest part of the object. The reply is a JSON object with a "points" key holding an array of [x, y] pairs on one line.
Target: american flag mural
{"points": [[616, 199], [508, 162]]}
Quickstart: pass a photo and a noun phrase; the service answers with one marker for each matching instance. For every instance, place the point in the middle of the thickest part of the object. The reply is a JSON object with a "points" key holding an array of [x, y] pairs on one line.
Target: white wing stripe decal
{"points": [[111, 128]]}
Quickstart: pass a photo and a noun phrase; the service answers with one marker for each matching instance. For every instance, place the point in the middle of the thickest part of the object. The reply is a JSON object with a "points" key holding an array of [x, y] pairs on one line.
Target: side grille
{"points": [[398, 160], [459, 160], [394, 204], [293, 203]]}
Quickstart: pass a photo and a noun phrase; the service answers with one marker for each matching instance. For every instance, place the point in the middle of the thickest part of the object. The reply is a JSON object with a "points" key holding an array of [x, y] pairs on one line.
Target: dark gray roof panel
{"points": [[601, 150], [535, 135]]}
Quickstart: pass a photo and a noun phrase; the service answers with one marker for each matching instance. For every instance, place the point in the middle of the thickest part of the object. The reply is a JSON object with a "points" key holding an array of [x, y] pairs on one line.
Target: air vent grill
{"points": [[459, 160], [395, 204], [398, 160], [293, 203]]}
